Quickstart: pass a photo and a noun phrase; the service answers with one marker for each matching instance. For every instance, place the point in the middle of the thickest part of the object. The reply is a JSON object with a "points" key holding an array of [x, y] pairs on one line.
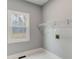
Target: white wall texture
{"points": [[58, 10]]}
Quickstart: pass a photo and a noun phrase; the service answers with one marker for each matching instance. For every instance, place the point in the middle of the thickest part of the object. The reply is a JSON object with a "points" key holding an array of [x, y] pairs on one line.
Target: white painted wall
{"points": [[50, 42], [35, 20], [58, 10]]}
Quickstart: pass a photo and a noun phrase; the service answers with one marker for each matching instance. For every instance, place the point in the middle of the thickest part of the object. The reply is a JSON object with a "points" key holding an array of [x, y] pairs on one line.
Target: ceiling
{"points": [[38, 2]]}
